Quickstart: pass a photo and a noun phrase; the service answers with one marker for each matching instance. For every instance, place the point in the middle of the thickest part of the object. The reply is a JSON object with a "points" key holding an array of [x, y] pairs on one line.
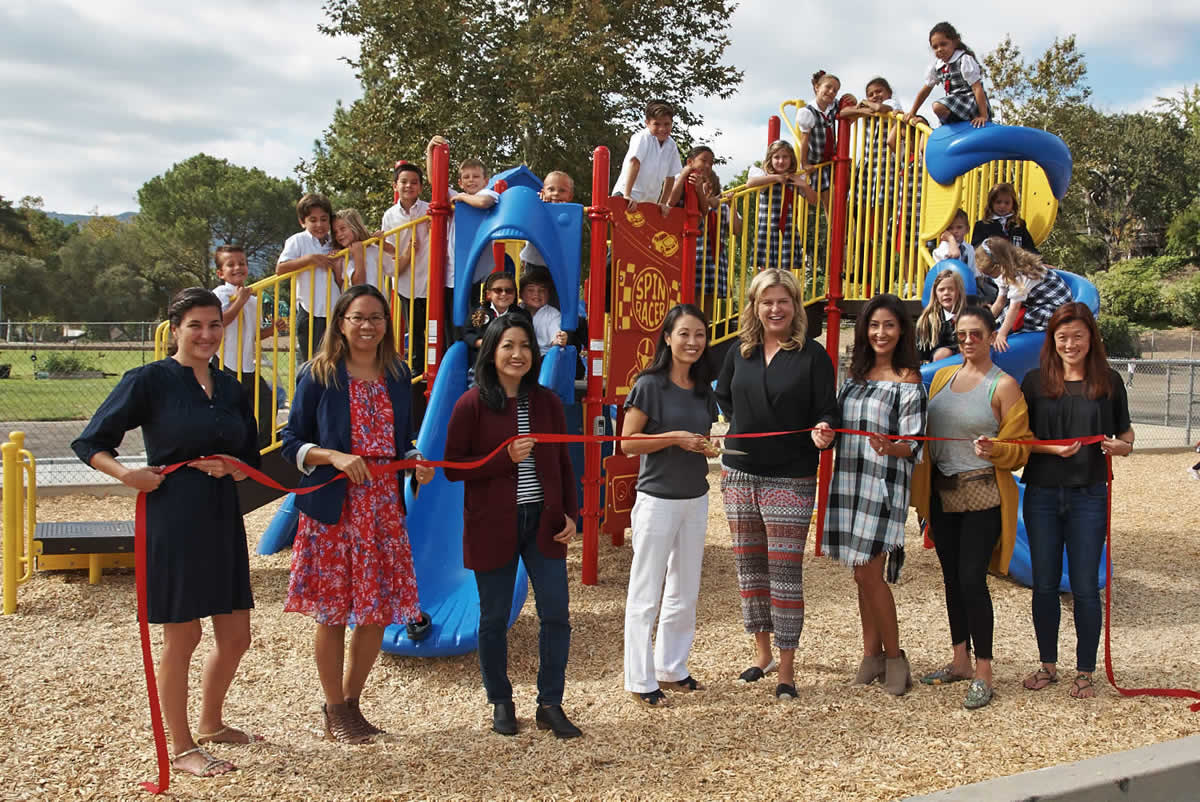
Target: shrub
{"points": [[1120, 339], [1183, 301], [57, 363], [1183, 235], [1132, 293]]}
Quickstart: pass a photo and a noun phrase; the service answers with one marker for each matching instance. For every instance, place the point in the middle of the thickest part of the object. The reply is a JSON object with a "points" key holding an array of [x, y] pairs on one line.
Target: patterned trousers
{"points": [[768, 519]]}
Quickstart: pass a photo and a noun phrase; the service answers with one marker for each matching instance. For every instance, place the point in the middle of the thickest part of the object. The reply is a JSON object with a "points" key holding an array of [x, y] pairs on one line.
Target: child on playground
{"points": [[652, 162], [412, 255], [557, 187], [818, 132], [369, 264], [957, 69], [500, 290], [1023, 281], [720, 219], [241, 318], [311, 247], [777, 244], [877, 101], [535, 301], [473, 191], [1002, 218], [953, 242], [935, 326]]}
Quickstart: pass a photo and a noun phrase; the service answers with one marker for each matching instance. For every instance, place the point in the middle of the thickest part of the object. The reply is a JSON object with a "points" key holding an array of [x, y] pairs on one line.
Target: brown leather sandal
{"points": [[1083, 687], [1039, 679], [343, 726]]}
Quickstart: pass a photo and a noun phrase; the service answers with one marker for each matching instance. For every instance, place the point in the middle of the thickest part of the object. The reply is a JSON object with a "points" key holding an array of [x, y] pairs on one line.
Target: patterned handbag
{"points": [[969, 491]]}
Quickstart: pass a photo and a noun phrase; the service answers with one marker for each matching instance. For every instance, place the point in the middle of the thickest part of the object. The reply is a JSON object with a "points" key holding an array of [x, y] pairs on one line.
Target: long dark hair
{"points": [[486, 377], [334, 347], [1097, 381], [703, 371], [904, 358], [947, 30]]}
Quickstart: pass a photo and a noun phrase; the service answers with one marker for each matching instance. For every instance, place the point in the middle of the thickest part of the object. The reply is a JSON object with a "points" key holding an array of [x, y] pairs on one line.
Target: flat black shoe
{"points": [[552, 717], [504, 718], [688, 683], [654, 698], [785, 692]]}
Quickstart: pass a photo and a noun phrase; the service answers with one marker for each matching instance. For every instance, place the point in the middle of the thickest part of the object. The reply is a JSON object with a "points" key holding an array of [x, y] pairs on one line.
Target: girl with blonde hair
{"points": [[935, 326], [777, 243], [776, 380], [1023, 281]]}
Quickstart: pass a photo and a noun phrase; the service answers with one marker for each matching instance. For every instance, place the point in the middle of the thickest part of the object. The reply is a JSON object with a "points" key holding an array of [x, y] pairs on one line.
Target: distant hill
{"points": [[124, 217]]}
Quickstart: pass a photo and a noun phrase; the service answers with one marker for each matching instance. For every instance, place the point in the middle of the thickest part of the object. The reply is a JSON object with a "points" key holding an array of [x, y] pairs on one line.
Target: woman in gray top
{"points": [[965, 513], [671, 406]]}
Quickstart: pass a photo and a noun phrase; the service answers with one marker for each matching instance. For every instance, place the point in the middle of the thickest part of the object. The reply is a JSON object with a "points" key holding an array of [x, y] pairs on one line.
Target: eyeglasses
{"points": [[358, 320], [504, 290], [966, 336]]}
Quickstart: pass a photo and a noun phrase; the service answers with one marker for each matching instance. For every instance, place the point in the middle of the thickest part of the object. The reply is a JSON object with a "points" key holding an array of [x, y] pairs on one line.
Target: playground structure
{"points": [[896, 201]]}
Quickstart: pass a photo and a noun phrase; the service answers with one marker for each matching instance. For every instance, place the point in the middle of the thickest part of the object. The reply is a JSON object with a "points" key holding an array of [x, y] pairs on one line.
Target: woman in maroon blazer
{"points": [[519, 504]]}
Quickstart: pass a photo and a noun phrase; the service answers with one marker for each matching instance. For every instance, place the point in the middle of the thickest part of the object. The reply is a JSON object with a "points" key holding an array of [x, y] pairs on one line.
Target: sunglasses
{"points": [[503, 290], [967, 336]]}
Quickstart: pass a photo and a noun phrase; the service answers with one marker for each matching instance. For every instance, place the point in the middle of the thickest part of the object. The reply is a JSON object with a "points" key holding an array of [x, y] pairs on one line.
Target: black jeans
{"points": [[964, 543], [549, 578], [416, 332], [303, 321]]}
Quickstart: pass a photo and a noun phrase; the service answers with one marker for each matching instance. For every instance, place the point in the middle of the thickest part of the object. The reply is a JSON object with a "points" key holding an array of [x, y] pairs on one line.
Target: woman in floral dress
{"points": [[351, 562]]}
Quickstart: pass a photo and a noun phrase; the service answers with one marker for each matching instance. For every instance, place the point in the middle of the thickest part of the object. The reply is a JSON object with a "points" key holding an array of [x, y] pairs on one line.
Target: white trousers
{"points": [[668, 550]]}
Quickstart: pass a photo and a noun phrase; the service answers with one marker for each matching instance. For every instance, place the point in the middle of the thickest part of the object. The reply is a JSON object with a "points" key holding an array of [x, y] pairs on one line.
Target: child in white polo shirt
{"points": [[306, 248], [649, 169], [412, 251], [241, 317]]}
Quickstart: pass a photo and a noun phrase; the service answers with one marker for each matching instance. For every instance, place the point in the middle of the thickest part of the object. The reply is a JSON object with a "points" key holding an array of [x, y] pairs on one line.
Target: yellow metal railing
{"points": [[18, 516], [404, 307]]}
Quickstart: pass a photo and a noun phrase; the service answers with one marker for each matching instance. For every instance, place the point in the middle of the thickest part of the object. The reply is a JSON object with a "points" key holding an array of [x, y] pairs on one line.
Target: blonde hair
{"points": [[560, 173], [750, 332], [352, 218], [335, 348], [929, 324], [1013, 263], [772, 149]]}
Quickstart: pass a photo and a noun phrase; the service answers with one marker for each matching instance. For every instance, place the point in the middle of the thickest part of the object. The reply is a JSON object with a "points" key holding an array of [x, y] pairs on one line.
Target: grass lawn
{"points": [[26, 398]]}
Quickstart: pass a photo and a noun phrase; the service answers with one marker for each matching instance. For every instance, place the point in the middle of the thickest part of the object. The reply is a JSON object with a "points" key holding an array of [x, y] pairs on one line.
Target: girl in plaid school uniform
{"points": [[818, 137], [777, 243], [1023, 281], [718, 220], [868, 500], [957, 69]]}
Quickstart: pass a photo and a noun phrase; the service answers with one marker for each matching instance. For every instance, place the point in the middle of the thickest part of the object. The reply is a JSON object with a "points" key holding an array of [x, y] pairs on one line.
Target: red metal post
{"points": [[691, 230], [772, 129], [498, 247], [439, 213], [833, 311], [593, 401]]}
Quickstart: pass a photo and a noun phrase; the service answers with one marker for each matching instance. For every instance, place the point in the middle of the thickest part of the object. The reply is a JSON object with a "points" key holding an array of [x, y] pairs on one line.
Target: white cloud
{"points": [[101, 95]]}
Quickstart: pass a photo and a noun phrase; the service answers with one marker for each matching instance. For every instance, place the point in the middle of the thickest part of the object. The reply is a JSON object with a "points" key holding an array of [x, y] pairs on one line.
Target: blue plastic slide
{"points": [[1024, 351], [956, 148]]}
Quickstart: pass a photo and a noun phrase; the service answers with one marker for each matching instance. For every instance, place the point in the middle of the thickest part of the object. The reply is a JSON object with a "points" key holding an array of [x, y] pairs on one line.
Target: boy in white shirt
{"points": [[535, 300], [239, 304], [652, 162], [412, 251], [311, 247]]}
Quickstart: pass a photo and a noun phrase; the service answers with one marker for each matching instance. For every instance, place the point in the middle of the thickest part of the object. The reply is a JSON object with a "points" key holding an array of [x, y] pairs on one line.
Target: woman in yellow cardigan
{"points": [[966, 490]]}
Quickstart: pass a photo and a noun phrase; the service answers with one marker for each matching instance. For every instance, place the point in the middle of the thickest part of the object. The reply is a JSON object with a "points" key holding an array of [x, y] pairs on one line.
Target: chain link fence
{"points": [[1163, 400]]}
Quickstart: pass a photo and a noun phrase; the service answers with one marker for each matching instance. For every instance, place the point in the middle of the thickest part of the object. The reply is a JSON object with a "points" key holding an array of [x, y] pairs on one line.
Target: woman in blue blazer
{"points": [[351, 561]]}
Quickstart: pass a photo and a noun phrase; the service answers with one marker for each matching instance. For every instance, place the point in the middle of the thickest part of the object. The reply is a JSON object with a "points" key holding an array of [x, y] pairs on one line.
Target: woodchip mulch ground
{"points": [[74, 722]]}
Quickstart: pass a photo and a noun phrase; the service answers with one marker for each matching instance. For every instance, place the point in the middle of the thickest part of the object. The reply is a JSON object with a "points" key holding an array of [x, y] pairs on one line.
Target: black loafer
{"points": [[504, 718], [552, 717]]}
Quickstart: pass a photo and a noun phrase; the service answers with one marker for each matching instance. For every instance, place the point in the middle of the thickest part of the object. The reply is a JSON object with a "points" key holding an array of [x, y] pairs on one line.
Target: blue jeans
{"points": [[549, 578], [1073, 517]]}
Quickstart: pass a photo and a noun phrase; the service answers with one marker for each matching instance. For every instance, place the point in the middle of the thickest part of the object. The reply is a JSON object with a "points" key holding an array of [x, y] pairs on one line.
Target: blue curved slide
{"points": [[1024, 351], [957, 148]]}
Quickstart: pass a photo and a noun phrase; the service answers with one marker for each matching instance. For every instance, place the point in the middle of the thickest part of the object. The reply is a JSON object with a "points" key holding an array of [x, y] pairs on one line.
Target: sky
{"points": [[102, 95]]}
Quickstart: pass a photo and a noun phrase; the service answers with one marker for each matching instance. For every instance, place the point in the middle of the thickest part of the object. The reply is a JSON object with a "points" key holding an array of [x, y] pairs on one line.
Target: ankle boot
{"points": [[898, 677], [870, 669]]}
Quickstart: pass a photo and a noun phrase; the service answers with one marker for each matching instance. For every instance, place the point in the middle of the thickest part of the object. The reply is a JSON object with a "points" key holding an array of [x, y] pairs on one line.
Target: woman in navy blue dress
{"points": [[197, 563]]}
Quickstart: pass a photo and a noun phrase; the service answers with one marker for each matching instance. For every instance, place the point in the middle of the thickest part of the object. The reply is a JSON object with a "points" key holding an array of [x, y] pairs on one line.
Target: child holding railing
{"points": [[777, 243], [368, 264]]}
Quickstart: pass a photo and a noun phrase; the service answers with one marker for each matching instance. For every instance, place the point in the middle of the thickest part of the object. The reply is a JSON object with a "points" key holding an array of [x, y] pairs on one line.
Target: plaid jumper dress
{"points": [[822, 144], [712, 255], [776, 243], [1041, 300], [959, 99], [868, 500]]}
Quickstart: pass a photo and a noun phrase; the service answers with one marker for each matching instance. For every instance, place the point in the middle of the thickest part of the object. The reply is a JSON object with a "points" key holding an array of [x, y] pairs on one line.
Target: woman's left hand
{"points": [[424, 474], [881, 445], [217, 468], [568, 531], [983, 447], [1116, 447]]}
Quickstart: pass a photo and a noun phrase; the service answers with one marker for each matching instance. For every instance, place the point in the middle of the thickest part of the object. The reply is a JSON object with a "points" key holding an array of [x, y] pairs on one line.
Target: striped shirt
{"points": [[529, 488]]}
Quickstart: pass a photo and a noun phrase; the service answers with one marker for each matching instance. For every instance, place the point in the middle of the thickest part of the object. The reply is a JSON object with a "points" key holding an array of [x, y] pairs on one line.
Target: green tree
{"points": [[539, 83], [14, 232], [202, 202], [112, 274]]}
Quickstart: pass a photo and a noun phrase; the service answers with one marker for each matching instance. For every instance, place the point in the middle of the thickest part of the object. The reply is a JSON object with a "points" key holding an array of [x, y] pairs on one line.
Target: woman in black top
{"points": [[776, 379], [1074, 393], [197, 563]]}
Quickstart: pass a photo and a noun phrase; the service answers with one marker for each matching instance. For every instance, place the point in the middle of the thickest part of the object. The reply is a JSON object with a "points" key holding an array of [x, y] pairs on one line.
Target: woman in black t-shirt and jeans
{"points": [[672, 405], [1074, 393]]}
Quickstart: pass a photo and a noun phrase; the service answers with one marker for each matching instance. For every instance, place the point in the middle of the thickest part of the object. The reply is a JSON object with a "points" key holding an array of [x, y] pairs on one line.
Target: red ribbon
{"points": [[377, 470]]}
